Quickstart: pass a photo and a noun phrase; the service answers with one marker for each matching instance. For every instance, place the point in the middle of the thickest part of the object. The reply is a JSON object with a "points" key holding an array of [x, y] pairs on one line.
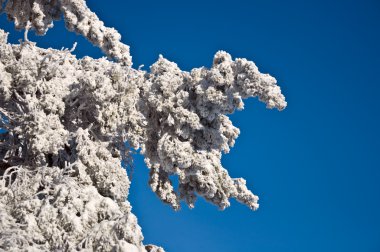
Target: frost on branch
{"points": [[62, 186], [187, 129], [40, 14]]}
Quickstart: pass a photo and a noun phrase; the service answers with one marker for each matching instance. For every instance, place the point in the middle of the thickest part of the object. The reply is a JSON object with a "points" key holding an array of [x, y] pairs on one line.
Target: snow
{"points": [[62, 186]]}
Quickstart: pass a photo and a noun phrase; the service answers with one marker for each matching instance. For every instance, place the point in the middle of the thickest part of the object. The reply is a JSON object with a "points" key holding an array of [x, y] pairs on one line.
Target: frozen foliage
{"points": [[39, 15], [62, 186], [187, 130]]}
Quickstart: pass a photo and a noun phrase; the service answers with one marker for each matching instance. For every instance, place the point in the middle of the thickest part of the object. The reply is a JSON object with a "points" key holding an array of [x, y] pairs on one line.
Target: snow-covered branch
{"points": [[62, 185]]}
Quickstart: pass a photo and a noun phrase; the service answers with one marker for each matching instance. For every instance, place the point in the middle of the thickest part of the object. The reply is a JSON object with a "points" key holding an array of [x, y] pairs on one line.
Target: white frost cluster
{"points": [[62, 186], [40, 14], [187, 129]]}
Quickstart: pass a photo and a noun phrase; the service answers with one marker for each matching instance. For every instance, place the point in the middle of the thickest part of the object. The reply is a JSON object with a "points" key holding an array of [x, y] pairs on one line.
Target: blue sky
{"points": [[314, 165]]}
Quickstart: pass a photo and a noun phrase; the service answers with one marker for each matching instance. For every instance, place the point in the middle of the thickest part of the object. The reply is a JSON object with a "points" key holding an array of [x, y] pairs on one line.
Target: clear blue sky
{"points": [[316, 165]]}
